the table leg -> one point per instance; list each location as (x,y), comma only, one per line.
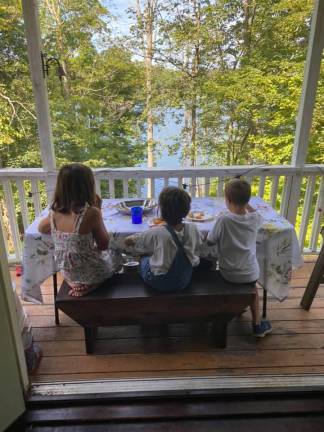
(264,306)
(90,334)
(56,311)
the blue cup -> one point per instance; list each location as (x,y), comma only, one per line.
(137,215)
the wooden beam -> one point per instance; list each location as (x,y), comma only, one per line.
(32,31)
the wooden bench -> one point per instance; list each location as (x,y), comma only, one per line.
(126,300)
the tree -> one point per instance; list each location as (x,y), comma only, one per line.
(18,142)
(181,47)
(143,32)
(95,120)
(255,93)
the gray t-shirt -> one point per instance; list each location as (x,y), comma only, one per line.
(235,237)
(158,243)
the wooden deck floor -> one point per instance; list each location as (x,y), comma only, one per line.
(295,346)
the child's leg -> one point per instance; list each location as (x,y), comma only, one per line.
(260,327)
(255,308)
(144,268)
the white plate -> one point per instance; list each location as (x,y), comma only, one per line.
(207,217)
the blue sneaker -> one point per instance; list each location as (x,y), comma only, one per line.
(262,329)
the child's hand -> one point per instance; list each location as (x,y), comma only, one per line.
(98,202)
(129,241)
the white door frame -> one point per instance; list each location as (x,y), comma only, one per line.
(13,370)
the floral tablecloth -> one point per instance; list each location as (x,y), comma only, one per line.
(278,250)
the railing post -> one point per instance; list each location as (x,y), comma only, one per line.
(50,186)
(292,197)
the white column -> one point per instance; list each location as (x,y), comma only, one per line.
(311,77)
(306,105)
(32,31)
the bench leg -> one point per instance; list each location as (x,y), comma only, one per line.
(219,333)
(264,306)
(56,311)
(90,334)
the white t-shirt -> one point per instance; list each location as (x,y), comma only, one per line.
(158,243)
(235,237)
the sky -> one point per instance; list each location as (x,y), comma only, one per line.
(118,8)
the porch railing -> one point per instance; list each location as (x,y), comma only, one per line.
(24,192)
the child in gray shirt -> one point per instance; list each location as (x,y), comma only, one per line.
(234,234)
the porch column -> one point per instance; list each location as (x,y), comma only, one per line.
(306,106)
(32,31)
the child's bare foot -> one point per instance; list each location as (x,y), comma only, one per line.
(77,288)
(81,290)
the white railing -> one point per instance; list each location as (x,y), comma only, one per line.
(25,192)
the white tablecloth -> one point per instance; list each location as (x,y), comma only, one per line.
(278,250)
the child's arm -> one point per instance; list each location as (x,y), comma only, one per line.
(257,217)
(98,229)
(130,241)
(140,243)
(44,226)
(98,202)
(214,234)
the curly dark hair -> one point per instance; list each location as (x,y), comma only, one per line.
(174,204)
(238,192)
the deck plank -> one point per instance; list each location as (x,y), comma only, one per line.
(296,345)
(182,361)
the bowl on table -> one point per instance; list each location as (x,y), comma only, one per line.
(125,207)
(131,266)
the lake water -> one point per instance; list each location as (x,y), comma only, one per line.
(165,136)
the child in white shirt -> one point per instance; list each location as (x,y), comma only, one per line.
(171,250)
(235,234)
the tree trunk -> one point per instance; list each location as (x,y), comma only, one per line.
(193,153)
(195,75)
(55,10)
(146,20)
(148,72)
(187,118)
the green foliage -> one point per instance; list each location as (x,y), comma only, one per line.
(231,70)
(95,111)
(239,73)
(18,142)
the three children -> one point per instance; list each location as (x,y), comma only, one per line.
(169,251)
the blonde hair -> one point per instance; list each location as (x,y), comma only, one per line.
(238,192)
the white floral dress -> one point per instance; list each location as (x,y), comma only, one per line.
(78,258)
